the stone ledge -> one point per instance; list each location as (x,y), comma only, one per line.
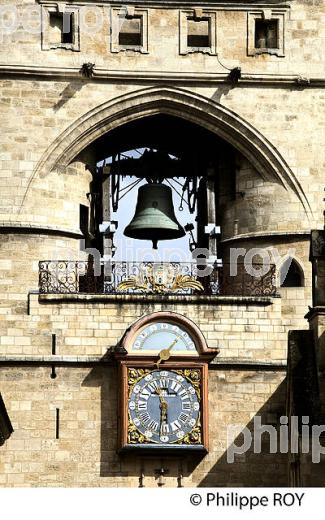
(232,363)
(23,227)
(288,80)
(151,298)
(319,310)
(266,234)
(54,360)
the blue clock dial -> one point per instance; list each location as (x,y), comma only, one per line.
(160,335)
(164,407)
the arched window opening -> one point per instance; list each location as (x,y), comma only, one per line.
(291,274)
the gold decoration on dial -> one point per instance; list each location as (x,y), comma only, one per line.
(164,406)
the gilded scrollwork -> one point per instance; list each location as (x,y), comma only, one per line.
(134,375)
(160,279)
(134,436)
(194,437)
(194,377)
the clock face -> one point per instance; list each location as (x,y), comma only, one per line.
(163,335)
(164,406)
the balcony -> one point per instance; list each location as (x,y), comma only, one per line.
(165,278)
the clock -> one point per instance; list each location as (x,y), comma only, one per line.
(163,386)
(165,330)
(163,408)
(163,334)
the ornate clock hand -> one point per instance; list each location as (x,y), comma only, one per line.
(165,353)
(163,408)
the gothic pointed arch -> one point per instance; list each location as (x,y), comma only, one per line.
(180,103)
(291,273)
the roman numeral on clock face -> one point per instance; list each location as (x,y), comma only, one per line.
(183,394)
(183,417)
(165,428)
(153,425)
(145,394)
(175,386)
(152,386)
(144,416)
(142,405)
(186,405)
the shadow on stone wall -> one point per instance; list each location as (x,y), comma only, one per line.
(68,92)
(254,469)
(250,469)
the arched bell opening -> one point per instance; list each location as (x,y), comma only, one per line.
(234,177)
(165,161)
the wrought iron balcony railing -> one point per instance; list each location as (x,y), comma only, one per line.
(68,277)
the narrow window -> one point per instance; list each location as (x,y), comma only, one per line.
(130,34)
(61,28)
(266,34)
(198,32)
(292,276)
(57,423)
(83,219)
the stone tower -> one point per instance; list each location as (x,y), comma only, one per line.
(234,92)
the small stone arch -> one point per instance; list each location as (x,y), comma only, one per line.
(291,273)
(180,103)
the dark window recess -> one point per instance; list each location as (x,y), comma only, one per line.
(266,34)
(61,27)
(294,277)
(130,33)
(57,423)
(198,32)
(83,219)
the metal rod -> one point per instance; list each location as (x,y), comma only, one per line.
(135,184)
(173,188)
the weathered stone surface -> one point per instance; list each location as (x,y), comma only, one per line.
(49,117)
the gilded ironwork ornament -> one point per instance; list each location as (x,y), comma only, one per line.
(68,277)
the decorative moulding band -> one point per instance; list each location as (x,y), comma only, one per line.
(12,360)
(161,4)
(149,76)
(267,234)
(20,227)
(145,298)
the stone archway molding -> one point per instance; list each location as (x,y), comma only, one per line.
(180,103)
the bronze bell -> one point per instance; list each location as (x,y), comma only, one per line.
(154,217)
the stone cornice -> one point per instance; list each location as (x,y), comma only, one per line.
(146,298)
(314,312)
(264,235)
(239,5)
(145,76)
(92,360)
(39,229)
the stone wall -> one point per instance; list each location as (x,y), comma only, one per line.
(302,55)
(43,101)
(85,453)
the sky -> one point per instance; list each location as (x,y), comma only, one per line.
(138,250)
